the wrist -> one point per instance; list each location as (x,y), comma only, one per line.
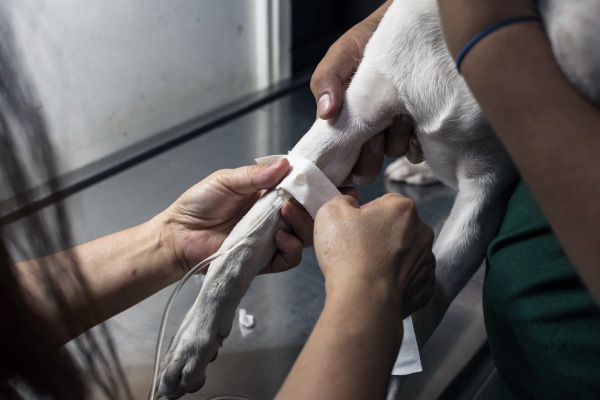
(364,320)
(364,304)
(161,233)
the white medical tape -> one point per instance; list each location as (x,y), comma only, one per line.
(311,188)
(305,182)
(409,358)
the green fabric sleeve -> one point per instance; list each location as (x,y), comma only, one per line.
(542,324)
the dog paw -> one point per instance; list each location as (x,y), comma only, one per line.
(183,369)
(403,170)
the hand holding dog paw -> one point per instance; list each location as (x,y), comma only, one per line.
(380,251)
(198,222)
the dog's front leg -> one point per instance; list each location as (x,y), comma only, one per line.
(461,245)
(209,320)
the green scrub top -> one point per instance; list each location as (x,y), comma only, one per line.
(543,326)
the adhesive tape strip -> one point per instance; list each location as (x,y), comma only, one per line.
(409,358)
(305,182)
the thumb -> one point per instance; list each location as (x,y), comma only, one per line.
(250,179)
(326,87)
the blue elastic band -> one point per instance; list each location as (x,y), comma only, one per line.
(487,31)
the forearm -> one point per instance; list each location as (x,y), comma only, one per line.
(350,353)
(550,131)
(119,271)
(126,267)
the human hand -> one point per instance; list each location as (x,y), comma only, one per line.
(463,19)
(380,249)
(198,222)
(329,82)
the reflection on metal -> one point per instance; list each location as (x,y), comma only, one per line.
(273,41)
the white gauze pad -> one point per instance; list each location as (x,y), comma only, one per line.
(311,188)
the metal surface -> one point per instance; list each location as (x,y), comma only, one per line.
(253,363)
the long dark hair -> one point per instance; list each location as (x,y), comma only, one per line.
(33,360)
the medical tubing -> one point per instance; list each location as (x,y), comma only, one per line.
(282,197)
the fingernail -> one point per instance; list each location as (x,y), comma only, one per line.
(376,144)
(323,104)
(276,164)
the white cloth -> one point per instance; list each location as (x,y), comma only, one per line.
(311,188)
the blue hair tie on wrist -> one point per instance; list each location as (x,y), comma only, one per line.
(487,31)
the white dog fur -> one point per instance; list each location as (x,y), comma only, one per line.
(406,69)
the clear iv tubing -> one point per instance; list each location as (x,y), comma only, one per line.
(282,197)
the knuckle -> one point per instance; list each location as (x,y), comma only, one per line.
(408,206)
(401,205)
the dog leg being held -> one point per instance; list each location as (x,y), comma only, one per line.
(209,320)
(333,146)
(461,245)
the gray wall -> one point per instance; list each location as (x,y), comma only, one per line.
(112,72)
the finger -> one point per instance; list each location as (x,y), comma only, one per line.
(331,209)
(250,179)
(289,254)
(347,181)
(327,91)
(270,176)
(344,201)
(301,222)
(397,136)
(332,75)
(350,191)
(425,288)
(420,287)
(418,295)
(370,161)
(423,271)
